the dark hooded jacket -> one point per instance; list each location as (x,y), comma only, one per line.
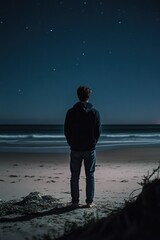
(82,127)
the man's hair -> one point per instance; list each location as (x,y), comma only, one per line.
(83,93)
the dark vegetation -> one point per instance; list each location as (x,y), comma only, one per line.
(139,219)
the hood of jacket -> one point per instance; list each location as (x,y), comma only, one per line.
(83,106)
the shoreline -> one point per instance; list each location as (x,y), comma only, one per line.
(63,153)
(65,149)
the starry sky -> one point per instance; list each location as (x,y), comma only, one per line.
(50,47)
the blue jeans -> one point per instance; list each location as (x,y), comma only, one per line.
(89,158)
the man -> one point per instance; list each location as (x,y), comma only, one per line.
(82,131)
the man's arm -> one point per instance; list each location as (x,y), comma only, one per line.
(97,130)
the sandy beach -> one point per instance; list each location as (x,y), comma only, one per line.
(118,172)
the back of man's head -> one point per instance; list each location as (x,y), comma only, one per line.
(84,93)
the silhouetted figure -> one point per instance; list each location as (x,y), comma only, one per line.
(82,131)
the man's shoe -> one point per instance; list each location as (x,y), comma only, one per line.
(75,205)
(91,205)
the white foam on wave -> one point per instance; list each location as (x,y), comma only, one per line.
(137,135)
(34,136)
(9,136)
(47,136)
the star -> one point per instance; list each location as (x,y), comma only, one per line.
(19,91)
(27,27)
(83,54)
(1,22)
(120,22)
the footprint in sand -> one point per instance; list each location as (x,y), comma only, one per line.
(51,181)
(15,165)
(27,176)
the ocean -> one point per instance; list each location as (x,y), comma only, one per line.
(50,138)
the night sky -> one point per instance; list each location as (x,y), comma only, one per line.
(50,47)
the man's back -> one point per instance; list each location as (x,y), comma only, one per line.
(82,127)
